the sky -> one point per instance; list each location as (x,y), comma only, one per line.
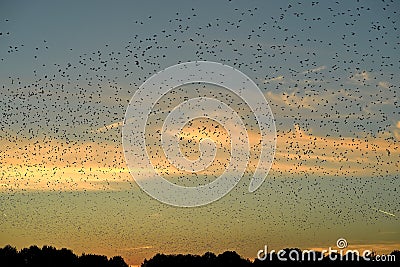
(328,69)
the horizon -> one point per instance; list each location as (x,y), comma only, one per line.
(327,74)
(270,255)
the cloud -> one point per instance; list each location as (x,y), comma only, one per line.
(60,165)
(275,79)
(299,152)
(63,178)
(314,70)
(136,248)
(363,75)
(385,212)
(109,127)
(359,78)
(384,84)
(303,100)
(396,131)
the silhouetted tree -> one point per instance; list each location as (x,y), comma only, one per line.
(209,259)
(49,257)
(9,256)
(117,261)
(231,258)
(32,256)
(396,253)
(90,260)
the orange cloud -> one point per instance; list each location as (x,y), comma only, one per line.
(59,165)
(56,165)
(301,152)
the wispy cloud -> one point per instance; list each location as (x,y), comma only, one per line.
(136,248)
(300,152)
(359,78)
(384,84)
(314,70)
(385,212)
(275,79)
(109,127)
(60,165)
(396,131)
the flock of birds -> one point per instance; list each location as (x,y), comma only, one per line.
(328,70)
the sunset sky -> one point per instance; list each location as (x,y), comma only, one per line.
(329,71)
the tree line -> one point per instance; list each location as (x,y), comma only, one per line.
(49,256)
